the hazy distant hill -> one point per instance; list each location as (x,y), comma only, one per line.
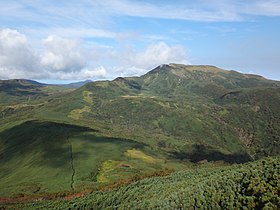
(76,84)
(23,90)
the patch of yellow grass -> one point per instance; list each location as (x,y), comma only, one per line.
(107,166)
(77,113)
(138,154)
(164,104)
(87,96)
(137,96)
(128,96)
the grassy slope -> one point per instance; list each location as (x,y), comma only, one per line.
(39,157)
(253,185)
(29,159)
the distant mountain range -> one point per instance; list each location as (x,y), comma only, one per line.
(33,82)
(76,84)
(20,90)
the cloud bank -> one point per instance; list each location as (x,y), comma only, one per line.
(67,59)
(17,59)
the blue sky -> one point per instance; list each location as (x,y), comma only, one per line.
(67,40)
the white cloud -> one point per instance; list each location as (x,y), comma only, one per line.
(62,59)
(84,74)
(16,56)
(126,71)
(62,55)
(135,63)
(156,54)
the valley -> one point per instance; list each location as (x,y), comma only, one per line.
(191,120)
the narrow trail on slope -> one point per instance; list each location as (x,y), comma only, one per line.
(72,163)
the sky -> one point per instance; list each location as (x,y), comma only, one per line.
(69,40)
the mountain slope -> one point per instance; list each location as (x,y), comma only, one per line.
(38,157)
(178,109)
(174,116)
(191,105)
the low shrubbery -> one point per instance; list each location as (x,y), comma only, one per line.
(253,185)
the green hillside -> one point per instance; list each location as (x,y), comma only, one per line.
(176,116)
(40,157)
(180,108)
(249,186)
(25,91)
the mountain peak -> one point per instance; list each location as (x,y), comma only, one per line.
(182,69)
(174,66)
(203,68)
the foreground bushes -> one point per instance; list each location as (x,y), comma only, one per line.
(254,185)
